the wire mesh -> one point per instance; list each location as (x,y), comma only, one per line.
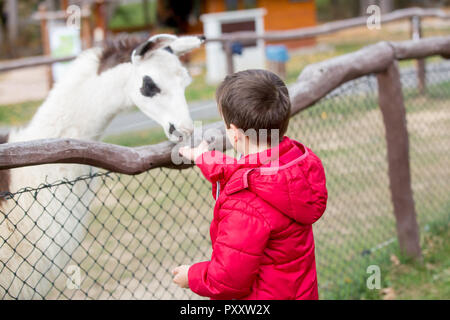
(113,236)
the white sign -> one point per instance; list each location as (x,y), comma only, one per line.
(64,41)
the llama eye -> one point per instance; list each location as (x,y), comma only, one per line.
(149,87)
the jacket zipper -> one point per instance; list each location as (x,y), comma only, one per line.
(218,183)
(217,190)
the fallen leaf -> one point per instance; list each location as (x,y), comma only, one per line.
(429,266)
(388,294)
(395,261)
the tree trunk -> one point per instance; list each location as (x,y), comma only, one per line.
(12,26)
(386,5)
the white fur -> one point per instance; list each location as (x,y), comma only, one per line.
(38,236)
(185,44)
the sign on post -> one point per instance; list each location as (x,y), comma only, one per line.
(64,41)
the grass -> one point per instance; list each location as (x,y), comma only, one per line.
(132,15)
(18,114)
(429,279)
(401,277)
(199,89)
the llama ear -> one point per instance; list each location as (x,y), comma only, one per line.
(153,43)
(185,44)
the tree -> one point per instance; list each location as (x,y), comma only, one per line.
(2,22)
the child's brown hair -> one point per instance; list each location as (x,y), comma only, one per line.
(254,99)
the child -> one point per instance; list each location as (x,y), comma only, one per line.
(262,237)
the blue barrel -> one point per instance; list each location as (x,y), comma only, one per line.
(236,48)
(277,53)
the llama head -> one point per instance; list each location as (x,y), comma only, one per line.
(158,82)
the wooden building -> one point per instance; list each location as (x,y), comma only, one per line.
(281,14)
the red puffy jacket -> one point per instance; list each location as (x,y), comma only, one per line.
(262,237)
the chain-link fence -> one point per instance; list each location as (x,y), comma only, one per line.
(108,235)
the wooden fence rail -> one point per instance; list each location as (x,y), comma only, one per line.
(32,62)
(314,83)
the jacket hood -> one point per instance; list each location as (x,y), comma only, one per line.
(290,177)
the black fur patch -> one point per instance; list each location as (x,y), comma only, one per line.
(4,174)
(171,128)
(144,48)
(149,87)
(169,49)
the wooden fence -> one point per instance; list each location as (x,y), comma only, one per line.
(314,83)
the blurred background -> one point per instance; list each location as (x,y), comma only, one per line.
(30,30)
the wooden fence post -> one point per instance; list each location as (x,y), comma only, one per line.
(64,5)
(394,116)
(100,19)
(86,29)
(227,45)
(416,34)
(46,42)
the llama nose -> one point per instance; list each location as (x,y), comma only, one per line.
(175,134)
(180,131)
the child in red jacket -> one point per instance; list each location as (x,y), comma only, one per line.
(266,202)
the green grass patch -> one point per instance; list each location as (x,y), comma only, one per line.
(18,114)
(132,15)
(401,277)
(427,280)
(199,89)
(404,279)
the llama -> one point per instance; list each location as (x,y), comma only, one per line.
(38,236)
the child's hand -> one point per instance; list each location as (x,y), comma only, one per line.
(181,276)
(193,153)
